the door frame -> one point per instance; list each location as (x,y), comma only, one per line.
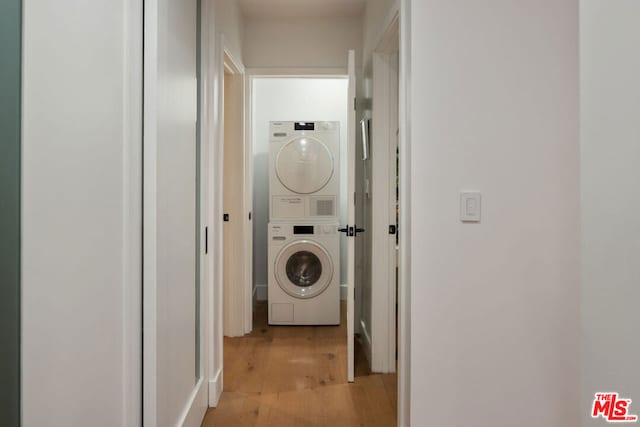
(239,299)
(404,250)
(384,122)
(214,49)
(403,9)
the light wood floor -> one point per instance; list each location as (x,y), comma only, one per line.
(297,376)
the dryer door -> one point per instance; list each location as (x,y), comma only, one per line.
(304,165)
(303,269)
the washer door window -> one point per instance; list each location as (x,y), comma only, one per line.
(304,269)
(304,165)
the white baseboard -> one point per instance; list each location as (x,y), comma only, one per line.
(215,389)
(196,408)
(260,292)
(343,292)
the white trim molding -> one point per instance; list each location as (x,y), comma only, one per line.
(261,292)
(215,389)
(149,365)
(343,291)
(132,221)
(190,416)
(404,254)
(236,256)
(297,72)
(383,202)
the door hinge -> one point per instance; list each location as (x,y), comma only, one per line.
(225,217)
(206,240)
(354,198)
(392,229)
(354,103)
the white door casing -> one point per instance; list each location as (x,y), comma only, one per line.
(404,199)
(384,142)
(248,210)
(237,252)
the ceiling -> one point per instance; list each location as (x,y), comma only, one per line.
(302,8)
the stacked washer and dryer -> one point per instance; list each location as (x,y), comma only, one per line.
(304,242)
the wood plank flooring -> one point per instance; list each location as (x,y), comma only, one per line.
(297,376)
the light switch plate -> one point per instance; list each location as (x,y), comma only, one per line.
(470,206)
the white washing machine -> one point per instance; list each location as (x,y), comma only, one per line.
(304,274)
(304,171)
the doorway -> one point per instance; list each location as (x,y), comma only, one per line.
(307,364)
(384,206)
(245,356)
(237,204)
(291,98)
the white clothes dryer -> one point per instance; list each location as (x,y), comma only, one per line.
(304,171)
(304,274)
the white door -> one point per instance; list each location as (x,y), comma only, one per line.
(174,386)
(351,213)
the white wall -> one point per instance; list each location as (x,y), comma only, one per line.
(291,99)
(376,19)
(610,149)
(307,43)
(495,306)
(81,213)
(230,23)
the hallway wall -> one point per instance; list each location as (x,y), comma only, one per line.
(494,107)
(376,17)
(81,213)
(300,43)
(610,149)
(230,22)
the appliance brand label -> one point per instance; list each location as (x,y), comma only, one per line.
(291,200)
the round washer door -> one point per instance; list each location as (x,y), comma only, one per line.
(304,165)
(303,269)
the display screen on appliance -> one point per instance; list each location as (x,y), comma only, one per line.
(303,229)
(304,126)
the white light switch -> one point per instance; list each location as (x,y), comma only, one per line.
(470,207)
